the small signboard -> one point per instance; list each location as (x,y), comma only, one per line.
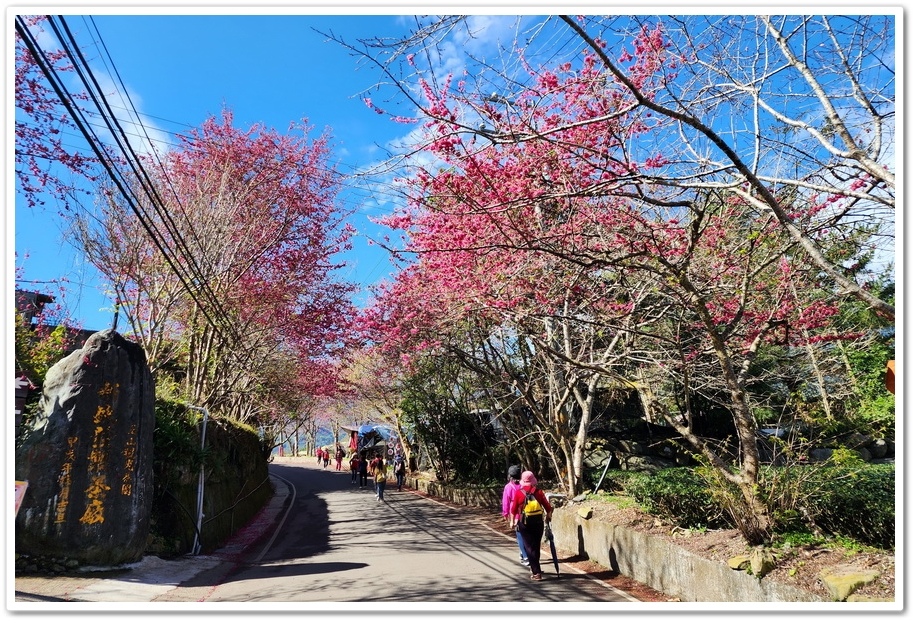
(21,486)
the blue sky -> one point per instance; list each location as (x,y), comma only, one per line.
(268,69)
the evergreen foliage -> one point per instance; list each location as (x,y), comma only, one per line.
(838,499)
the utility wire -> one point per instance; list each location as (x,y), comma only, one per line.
(359,193)
(364,192)
(149,187)
(105,159)
(140,173)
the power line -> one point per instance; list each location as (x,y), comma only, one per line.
(359,184)
(105,159)
(358,191)
(158,204)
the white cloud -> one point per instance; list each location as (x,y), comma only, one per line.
(142,134)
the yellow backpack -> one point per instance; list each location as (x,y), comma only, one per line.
(532,507)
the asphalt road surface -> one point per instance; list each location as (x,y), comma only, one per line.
(331,546)
(337,543)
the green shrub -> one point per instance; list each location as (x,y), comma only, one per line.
(617,480)
(844,497)
(855,501)
(840,501)
(678,495)
(176,442)
(236,479)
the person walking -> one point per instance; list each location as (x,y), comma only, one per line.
(354,469)
(380,475)
(530,509)
(326,458)
(339,456)
(513,485)
(373,462)
(400,470)
(363,471)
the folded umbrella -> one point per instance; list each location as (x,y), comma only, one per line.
(548,534)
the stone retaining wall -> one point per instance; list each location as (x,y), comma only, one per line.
(646,559)
(663,566)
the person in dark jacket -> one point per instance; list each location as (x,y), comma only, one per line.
(400,470)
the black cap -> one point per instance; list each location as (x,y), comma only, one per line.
(515,471)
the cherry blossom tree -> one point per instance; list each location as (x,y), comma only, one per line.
(219,253)
(500,318)
(47,166)
(249,217)
(810,101)
(749,105)
(149,295)
(371,383)
(568,174)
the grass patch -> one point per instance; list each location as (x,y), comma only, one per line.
(850,546)
(618,501)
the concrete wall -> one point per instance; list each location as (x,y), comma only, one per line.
(664,566)
(484,497)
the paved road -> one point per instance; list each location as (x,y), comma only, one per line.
(334,543)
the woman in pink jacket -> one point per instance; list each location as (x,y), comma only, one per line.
(514,474)
(528,516)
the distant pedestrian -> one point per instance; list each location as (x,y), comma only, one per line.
(354,469)
(400,470)
(530,510)
(320,454)
(363,471)
(380,476)
(326,458)
(338,457)
(514,475)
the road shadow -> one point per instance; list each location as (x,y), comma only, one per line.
(266,571)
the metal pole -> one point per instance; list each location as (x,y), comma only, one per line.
(604,473)
(195,549)
(114,322)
